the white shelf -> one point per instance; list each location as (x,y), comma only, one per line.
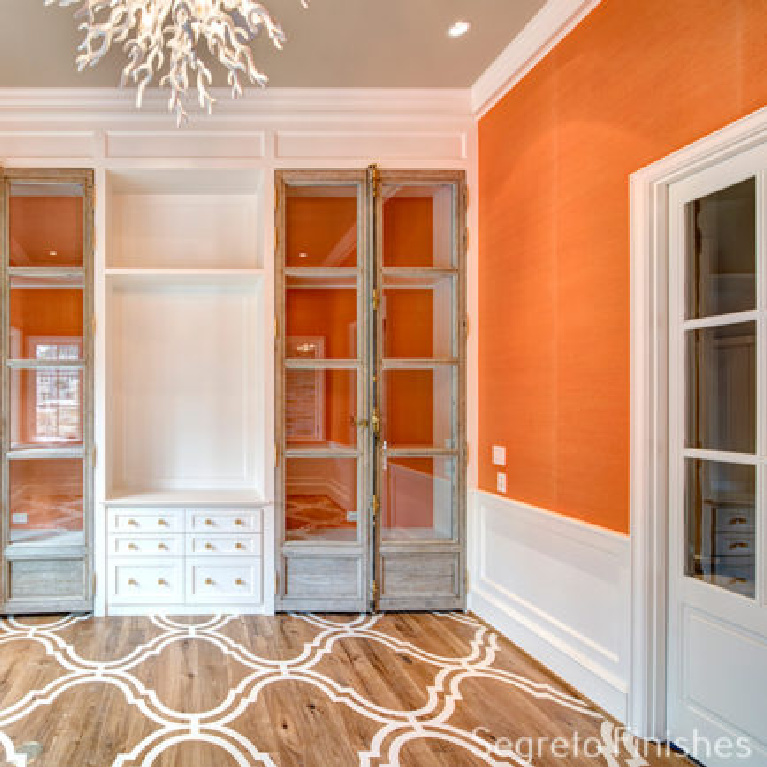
(149,275)
(162,498)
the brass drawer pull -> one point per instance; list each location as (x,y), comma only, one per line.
(209,581)
(132,547)
(133,522)
(209,522)
(162,522)
(162,582)
(132,582)
(239,582)
(738,521)
(239,522)
(209,546)
(239,545)
(162,547)
(738,545)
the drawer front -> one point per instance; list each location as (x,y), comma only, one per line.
(148,581)
(217,580)
(734,520)
(734,544)
(219,545)
(146,521)
(218,521)
(146,546)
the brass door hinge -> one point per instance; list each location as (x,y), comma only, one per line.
(94,456)
(276,582)
(375,422)
(376,508)
(276,238)
(376,299)
(466,326)
(93,584)
(375,179)
(374,590)
(276,456)
(466,240)
(276,327)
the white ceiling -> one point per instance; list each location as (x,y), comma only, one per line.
(335,43)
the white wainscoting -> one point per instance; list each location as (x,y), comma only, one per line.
(558,588)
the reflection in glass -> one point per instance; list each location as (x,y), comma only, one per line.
(320,408)
(417,497)
(46,500)
(418,407)
(321,499)
(46,319)
(417,317)
(321,321)
(719,524)
(46,407)
(321,226)
(721,252)
(721,388)
(46,224)
(418,225)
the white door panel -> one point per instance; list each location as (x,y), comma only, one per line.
(717,621)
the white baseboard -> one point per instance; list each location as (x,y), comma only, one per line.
(558,588)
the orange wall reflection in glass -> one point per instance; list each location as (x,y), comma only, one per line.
(636,80)
(46,231)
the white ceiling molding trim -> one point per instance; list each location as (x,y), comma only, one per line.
(541,34)
(271,103)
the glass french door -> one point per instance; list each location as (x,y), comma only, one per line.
(369,390)
(46,401)
(717,623)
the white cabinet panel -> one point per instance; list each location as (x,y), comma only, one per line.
(148,581)
(223,580)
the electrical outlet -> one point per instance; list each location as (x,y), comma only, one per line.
(500,481)
(19,518)
(499,455)
(351,516)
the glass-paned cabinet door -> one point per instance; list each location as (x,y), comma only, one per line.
(322,359)
(46,381)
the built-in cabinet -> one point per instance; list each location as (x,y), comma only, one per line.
(46,487)
(185,426)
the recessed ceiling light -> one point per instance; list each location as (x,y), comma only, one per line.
(459,29)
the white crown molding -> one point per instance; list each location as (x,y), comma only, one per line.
(392,103)
(542,33)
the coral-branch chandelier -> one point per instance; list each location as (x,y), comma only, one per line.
(154,31)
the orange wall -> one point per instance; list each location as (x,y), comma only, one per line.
(636,80)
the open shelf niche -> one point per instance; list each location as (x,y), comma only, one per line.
(185,405)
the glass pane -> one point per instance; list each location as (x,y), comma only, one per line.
(46,319)
(320,408)
(721,388)
(417,498)
(321,319)
(720,524)
(418,225)
(46,500)
(417,407)
(46,408)
(321,226)
(721,251)
(321,499)
(417,317)
(46,224)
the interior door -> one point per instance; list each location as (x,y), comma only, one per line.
(419,390)
(322,391)
(46,390)
(717,623)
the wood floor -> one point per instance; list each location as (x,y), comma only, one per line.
(399,689)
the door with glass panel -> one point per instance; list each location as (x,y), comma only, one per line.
(717,640)
(370,439)
(322,391)
(46,403)
(419,389)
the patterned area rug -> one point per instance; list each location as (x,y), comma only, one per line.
(397,689)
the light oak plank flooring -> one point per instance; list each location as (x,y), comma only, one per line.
(398,689)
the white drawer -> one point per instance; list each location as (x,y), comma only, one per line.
(220,521)
(216,580)
(146,521)
(146,581)
(146,545)
(218,545)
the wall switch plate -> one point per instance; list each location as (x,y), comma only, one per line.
(19,518)
(499,455)
(500,481)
